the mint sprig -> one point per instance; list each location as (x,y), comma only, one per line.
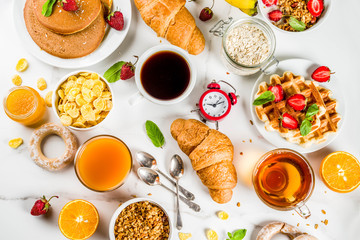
(237,235)
(305,127)
(114,72)
(154,133)
(296,24)
(47,8)
(265,97)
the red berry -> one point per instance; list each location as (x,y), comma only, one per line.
(41,206)
(321,74)
(269,3)
(69,5)
(315,7)
(278,91)
(116,20)
(297,102)
(288,121)
(127,71)
(206,14)
(275,15)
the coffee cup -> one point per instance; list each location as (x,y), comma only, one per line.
(164,75)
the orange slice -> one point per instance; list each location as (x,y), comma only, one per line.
(340,171)
(78,219)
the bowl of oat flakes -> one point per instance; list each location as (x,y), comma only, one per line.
(295,16)
(140,218)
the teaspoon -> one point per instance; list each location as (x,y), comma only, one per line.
(176,171)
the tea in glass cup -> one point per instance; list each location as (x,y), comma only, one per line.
(284,180)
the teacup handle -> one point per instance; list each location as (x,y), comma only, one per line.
(303,211)
(135,98)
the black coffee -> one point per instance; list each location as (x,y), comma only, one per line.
(165,75)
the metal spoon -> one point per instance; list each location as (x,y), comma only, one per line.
(146,160)
(150,177)
(176,171)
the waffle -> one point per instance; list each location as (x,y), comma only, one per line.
(325,121)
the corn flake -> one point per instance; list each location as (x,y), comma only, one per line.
(16,80)
(16,142)
(48,99)
(211,235)
(66,120)
(41,84)
(99,104)
(222,215)
(22,65)
(184,236)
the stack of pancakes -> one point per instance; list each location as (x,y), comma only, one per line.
(67,34)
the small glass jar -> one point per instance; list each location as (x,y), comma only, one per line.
(24,105)
(237,67)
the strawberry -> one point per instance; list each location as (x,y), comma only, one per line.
(275,15)
(278,91)
(297,102)
(269,3)
(321,74)
(288,121)
(41,206)
(206,13)
(128,70)
(315,7)
(69,5)
(116,20)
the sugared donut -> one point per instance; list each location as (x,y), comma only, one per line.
(271,229)
(52,164)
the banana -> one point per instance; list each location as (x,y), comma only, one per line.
(247,6)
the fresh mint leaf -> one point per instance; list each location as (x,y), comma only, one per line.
(113,73)
(238,234)
(47,7)
(265,97)
(312,110)
(154,133)
(296,24)
(305,127)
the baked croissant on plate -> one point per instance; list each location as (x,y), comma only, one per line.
(170,19)
(211,153)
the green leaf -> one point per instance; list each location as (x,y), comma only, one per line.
(47,8)
(238,234)
(154,133)
(305,127)
(266,97)
(312,110)
(296,24)
(113,73)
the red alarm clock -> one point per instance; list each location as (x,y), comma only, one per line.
(215,104)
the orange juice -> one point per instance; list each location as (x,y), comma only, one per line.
(24,105)
(103,163)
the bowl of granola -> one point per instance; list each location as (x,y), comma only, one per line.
(295,15)
(140,218)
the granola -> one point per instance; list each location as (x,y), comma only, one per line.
(142,220)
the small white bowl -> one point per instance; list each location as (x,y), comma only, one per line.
(265,11)
(55,97)
(160,48)
(127,203)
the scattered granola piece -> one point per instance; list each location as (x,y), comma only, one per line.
(241,153)
(16,142)
(48,99)
(22,65)
(222,215)
(326,222)
(41,84)
(323,211)
(238,204)
(184,236)
(227,73)
(250,141)
(298,224)
(251,122)
(16,80)
(316,226)
(307,224)
(243,141)
(149,194)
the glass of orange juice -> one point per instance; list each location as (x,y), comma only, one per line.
(102,163)
(24,105)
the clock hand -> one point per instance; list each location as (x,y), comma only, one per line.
(219,103)
(213,105)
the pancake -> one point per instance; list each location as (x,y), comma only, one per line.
(64,22)
(64,46)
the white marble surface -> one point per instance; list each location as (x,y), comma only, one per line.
(335,44)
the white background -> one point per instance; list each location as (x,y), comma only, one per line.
(335,44)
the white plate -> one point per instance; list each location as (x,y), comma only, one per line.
(305,68)
(110,43)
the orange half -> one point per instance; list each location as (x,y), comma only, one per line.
(78,219)
(340,171)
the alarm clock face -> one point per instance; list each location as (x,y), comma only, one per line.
(214,104)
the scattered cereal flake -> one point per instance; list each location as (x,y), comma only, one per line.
(323,211)
(22,65)
(326,222)
(222,215)
(184,236)
(16,142)
(238,204)
(316,226)
(66,120)
(41,84)
(48,99)
(212,235)
(16,80)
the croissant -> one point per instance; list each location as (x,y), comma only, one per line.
(211,153)
(170,19)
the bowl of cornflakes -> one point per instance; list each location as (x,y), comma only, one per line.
(82,100)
